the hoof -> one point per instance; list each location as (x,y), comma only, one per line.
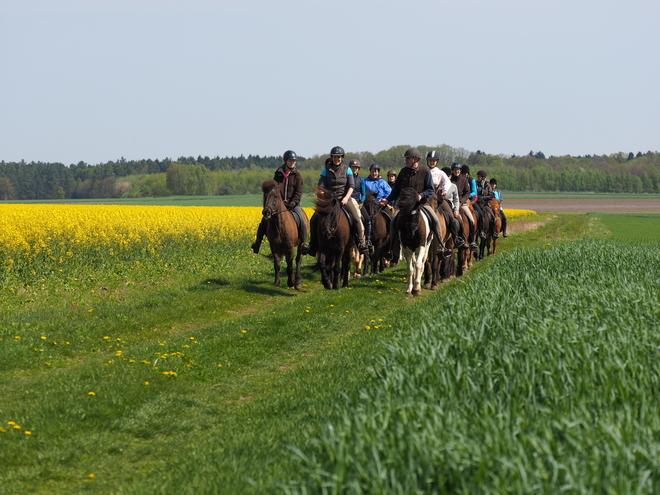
(428,285)
(416,292)
(434,287)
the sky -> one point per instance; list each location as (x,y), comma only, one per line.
(98,80)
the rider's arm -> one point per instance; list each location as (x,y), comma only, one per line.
(322,179)
(429,188)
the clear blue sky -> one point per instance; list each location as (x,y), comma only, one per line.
(95,80)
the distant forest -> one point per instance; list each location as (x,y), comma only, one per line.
(620,172)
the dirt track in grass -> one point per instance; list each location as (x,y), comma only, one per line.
(584,205)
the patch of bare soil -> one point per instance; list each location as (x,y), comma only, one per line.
(585,205)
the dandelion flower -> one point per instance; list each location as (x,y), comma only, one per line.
(91,393)
(27,432)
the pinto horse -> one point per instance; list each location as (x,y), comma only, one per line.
(282,233)
(415,235)
(496,207)
(380,231)
(334,238)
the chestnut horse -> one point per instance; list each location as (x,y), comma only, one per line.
(415,235)
(334,239)
(282,233)
(465,255)
(496,207)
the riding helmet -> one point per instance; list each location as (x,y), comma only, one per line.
(493,181)
(374,166)
(456,165)
(446,170)
(354,163)
(289,155)
(482,173)
(433,155)
(414,152)
(465,169)
(391,173)
(337,151)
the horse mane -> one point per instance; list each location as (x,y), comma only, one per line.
(326,203)
(369,204)
(407,199)
(267,186)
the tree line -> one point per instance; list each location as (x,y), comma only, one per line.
(619,172)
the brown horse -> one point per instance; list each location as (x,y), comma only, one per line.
(438,268)
(334,239)
(415,235)
(282,233)
(496,207)
(380,231)
(465,256)
(485,224)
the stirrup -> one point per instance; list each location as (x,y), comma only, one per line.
(304,248)
(363,248)
(474,247)
(459,242)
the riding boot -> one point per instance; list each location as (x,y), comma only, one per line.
(261,232)
(503,224)
(313,241)
(454,227)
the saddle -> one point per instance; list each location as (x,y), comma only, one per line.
(298,219)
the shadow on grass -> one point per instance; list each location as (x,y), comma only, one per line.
(266,288)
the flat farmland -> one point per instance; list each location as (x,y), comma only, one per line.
(583,203)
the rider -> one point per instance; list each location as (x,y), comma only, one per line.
(463,195)
(376,184)
(419,178)
(474,197)
(391,177)
(440,180)
(485,194)
(337,177)
(498,196)
(452,203)
(291,192)
(359,195)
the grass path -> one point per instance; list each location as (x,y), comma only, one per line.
(287,359)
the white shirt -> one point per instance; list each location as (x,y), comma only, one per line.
(440,179)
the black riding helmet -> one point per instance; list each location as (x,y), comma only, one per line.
(337,151)
(374,166)
(289,155)
(456,165)
(391,173)
(433,155)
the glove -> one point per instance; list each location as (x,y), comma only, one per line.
(289,206)
(476,198)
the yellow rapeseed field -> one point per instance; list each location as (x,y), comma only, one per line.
(42,237)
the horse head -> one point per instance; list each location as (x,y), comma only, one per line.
(409,209)
(272,199)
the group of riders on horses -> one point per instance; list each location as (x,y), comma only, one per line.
(453,188)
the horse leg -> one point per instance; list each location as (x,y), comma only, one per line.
(408,255)
(276,265)
(297,284)
(345,268)
(289,270)
(418,271)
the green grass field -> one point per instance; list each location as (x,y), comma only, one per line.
(536,372)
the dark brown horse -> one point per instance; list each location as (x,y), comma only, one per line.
(485,224)
(496,207)
(380,230)
(334,239)
(438,268)
(415,235)
(282,233)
